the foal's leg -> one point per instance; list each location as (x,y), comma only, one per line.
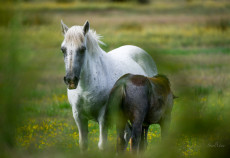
(127,134)
(136,137)
(144,135)
(121,142)
(82,125)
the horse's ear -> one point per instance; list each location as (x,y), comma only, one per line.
(64,28)
(86,27)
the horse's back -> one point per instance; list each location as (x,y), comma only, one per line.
(136,54)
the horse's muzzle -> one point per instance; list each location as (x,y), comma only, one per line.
(71,82)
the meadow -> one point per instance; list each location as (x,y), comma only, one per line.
(189,41)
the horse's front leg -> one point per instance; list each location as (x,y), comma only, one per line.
(82,124)
(103,131)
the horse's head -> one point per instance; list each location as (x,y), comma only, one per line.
(74,48)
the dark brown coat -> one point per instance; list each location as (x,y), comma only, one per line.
(139,101)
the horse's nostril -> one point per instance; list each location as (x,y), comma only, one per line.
(75,79)
(71,81)
(67,80)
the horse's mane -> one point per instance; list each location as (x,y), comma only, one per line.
(93,40)
(75,36)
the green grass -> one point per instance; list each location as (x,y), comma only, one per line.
(188,41)
(156,7)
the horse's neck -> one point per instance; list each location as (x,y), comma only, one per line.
(94,73)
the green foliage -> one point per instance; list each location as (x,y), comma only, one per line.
(5,16)
(14,81)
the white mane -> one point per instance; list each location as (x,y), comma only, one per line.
(75,36)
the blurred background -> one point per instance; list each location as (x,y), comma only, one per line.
(188,39)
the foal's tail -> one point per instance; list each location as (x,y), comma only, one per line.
(113,105)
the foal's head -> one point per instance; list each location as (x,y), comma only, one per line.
(74,48)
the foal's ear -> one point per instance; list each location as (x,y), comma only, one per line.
(86,27)
(64,28)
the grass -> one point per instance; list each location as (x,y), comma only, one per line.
(188,41)
(158,7)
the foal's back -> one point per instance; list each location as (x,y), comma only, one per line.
(160,99)
(142,101)
(146,99)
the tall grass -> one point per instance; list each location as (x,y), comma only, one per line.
(11,85)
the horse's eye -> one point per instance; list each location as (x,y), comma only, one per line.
(63,49)
(82,50)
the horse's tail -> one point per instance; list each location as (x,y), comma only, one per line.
(113,105)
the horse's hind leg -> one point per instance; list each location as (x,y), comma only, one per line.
(144,135)
(103,136)
(136,137)
(103,132)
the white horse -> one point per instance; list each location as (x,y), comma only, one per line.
(91,74)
